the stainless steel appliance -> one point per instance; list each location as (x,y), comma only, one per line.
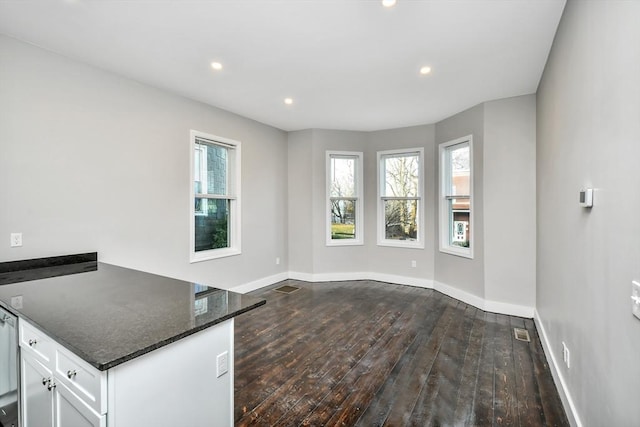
(9,411)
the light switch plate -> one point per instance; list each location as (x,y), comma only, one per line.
(222,364)
(635,298)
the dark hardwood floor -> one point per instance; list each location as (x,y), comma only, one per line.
(370,354)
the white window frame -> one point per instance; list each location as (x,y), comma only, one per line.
(233,195)
(443,200)
(358,198)
(418,243)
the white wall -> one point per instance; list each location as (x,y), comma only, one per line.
(90,161)
(588,130)
(510,200)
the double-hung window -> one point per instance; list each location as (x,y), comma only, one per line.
(400,198)
(215,197)
(344,198)
(456,197)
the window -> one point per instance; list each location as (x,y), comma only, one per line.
(456,197)
(215,197)
(400,205)
(344,198)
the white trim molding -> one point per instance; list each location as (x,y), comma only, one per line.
(380,277)
(561,385)
(483,304)
(445,199)
(418,242)
(260,283)
(453,292)
(232,195)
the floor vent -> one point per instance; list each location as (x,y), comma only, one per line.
(286,289)
(521,334)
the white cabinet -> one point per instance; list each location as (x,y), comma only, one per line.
(71,411)
(58,389)
(37,399)
(173,385)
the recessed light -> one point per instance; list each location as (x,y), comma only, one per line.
(425,70)
(388,3)
(288,101)
(216,66)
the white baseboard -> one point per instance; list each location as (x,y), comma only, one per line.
(339,277)
(453,292)
(483,304)
(563,390)
(402,280)
(508,308)
(459,294)
(326,277)
(260,283)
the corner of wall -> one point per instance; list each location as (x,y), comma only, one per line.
(563,390)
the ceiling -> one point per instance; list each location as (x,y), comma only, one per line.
(347,64)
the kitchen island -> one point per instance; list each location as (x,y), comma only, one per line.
(109,346)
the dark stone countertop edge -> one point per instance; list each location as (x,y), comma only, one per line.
(91,257)
(160,344)
(137,353)
(47,262)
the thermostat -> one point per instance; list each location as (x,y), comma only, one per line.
(586,198)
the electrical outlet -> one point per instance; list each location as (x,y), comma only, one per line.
(635,298)
(16,240)
(277,260)
(222,364)
(16,302)
(566,355)
(414,264)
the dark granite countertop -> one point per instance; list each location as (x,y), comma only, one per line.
(107,314)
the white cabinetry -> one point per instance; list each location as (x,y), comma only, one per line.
(37,400)
(175,385)
(55,383)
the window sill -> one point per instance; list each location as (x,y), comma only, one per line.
(402,244)
(214,254)
(461,252)
(344,242)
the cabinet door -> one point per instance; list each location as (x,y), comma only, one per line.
(37,399)
(71,411)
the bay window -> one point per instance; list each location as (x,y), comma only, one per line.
(400,198)
(456,197)
(344,198)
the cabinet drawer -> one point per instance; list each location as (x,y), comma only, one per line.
(83,379)
(37,343)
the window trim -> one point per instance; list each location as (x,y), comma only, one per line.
(443,226)
(381,240)
(359,197)
(235,211)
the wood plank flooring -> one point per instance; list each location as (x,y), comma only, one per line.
(369,353)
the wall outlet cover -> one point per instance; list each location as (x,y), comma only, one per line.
(222,364)
(16,240)
(635,298)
